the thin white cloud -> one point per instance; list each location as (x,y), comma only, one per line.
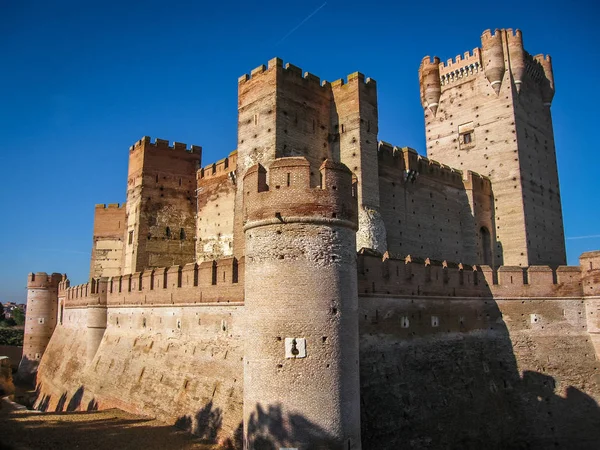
(591,236)
(301,23)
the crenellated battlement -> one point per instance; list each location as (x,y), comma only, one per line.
(41,280)
(276,64)
(429,61)
(407,160)
(393,275)
(461,67)
(487,34)
(219,168)
(477,182)
(110,206)
(208,282)
(513,35)
(146,141)
(460,61)
(288,192)
(354,77)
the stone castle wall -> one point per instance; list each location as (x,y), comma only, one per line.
(216,203)
(108,240)
(429,208)
(182,364)
(467,348)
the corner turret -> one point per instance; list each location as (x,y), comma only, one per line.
(517,57)
(40,320)
(301,304)
(429,81)
(548,81)
(493,58)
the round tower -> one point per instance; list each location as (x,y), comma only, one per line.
(40,320)
(429,80)
(301,372)
(96,316)
(516,56)
(548,82)
(493,58)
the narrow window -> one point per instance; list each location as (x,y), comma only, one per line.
(182,234)
(168,232)
(131,237)
(288,178)
(466,136)
(486,246)
(214,273)
(180,182)
(234,277)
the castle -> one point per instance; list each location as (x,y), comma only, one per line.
(318,288)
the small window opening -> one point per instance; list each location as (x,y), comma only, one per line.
(182,234)
(288,178)
(214,273)
(234,276)
(131,237)
(168,232)
(468,138)
(180,182)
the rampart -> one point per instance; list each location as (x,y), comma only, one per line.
(163,144)
(410,276)
(208,282)
(222,167)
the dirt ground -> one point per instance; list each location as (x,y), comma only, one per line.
(111,429)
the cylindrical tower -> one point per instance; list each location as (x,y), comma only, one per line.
(429,80)
(301,372)
(493,58)
(96,317)
(40,320)
(516,56)
(548,82)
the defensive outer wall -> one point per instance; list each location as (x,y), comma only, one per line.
(281,335)
(464,347)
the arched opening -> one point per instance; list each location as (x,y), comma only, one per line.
(485,246)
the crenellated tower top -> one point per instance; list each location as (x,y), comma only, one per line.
(289,197)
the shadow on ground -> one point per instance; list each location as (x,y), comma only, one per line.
(109,429)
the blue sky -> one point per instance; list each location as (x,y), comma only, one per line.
(81,81)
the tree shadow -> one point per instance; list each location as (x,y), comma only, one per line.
(106,429)
(205,424)
(271,429)
(75,401)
